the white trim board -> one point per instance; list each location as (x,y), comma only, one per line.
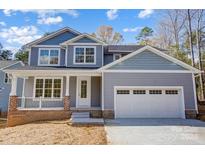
(158,52)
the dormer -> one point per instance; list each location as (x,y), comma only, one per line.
(84,51)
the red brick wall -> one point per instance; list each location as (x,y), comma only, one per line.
(26,116)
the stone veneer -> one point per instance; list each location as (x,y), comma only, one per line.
(108,114)
(191,114)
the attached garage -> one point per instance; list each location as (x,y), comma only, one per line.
(149,102)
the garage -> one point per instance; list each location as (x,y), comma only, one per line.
(149,102)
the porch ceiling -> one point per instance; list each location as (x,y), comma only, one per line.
(52,71)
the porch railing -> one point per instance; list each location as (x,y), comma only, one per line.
(39,103)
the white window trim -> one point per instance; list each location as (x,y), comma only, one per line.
(47,99)
(84,63)
(49,49)
(116,54)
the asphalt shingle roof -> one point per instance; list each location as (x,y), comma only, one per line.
(6,63)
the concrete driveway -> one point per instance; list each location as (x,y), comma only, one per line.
(155,131)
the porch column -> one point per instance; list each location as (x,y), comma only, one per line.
(67,85)
(66,100)
(13,97)
(23,92)
(13,86)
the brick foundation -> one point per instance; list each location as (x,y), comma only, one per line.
(108,114)
(26,116)
(3,114)
(66,102)
(191,114)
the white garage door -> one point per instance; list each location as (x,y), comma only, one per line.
(145,102)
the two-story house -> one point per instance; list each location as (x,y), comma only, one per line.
(70,71)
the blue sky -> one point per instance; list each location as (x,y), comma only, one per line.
(18,27)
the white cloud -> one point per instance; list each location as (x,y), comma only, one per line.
(135,29)
(73,13)
(50,20)
(112,14)
(2,23)
(47,16)
(19,35)
(145,13)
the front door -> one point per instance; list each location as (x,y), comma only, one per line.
(83,91)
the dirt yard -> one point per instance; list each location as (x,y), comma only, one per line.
(53,132)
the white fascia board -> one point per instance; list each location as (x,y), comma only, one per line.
(170,58)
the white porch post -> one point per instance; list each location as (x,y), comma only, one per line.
(23,93)
(67,86)
(13,86)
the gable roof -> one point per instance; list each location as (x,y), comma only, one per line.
(8,63)
(51,35)
(82,36)
(156,51)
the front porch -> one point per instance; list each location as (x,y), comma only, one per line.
(52,97)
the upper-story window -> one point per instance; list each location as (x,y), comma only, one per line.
(49,56)
(84,55)
(116,56)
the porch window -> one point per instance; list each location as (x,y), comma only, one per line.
(48,87)
(49,56)
(84,55)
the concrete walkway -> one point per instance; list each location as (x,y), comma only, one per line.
(155,131)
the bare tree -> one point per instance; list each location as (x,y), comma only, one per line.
(190,36)
(108,35)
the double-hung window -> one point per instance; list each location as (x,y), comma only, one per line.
(84,55)
(48,88)
(49,56)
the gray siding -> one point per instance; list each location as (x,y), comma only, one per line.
(108,58)
(98,57)
(95,91)
(147,60)
(59,39)
(34,56)
(85,40)
(148,79)
(6,88)
(73,82)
